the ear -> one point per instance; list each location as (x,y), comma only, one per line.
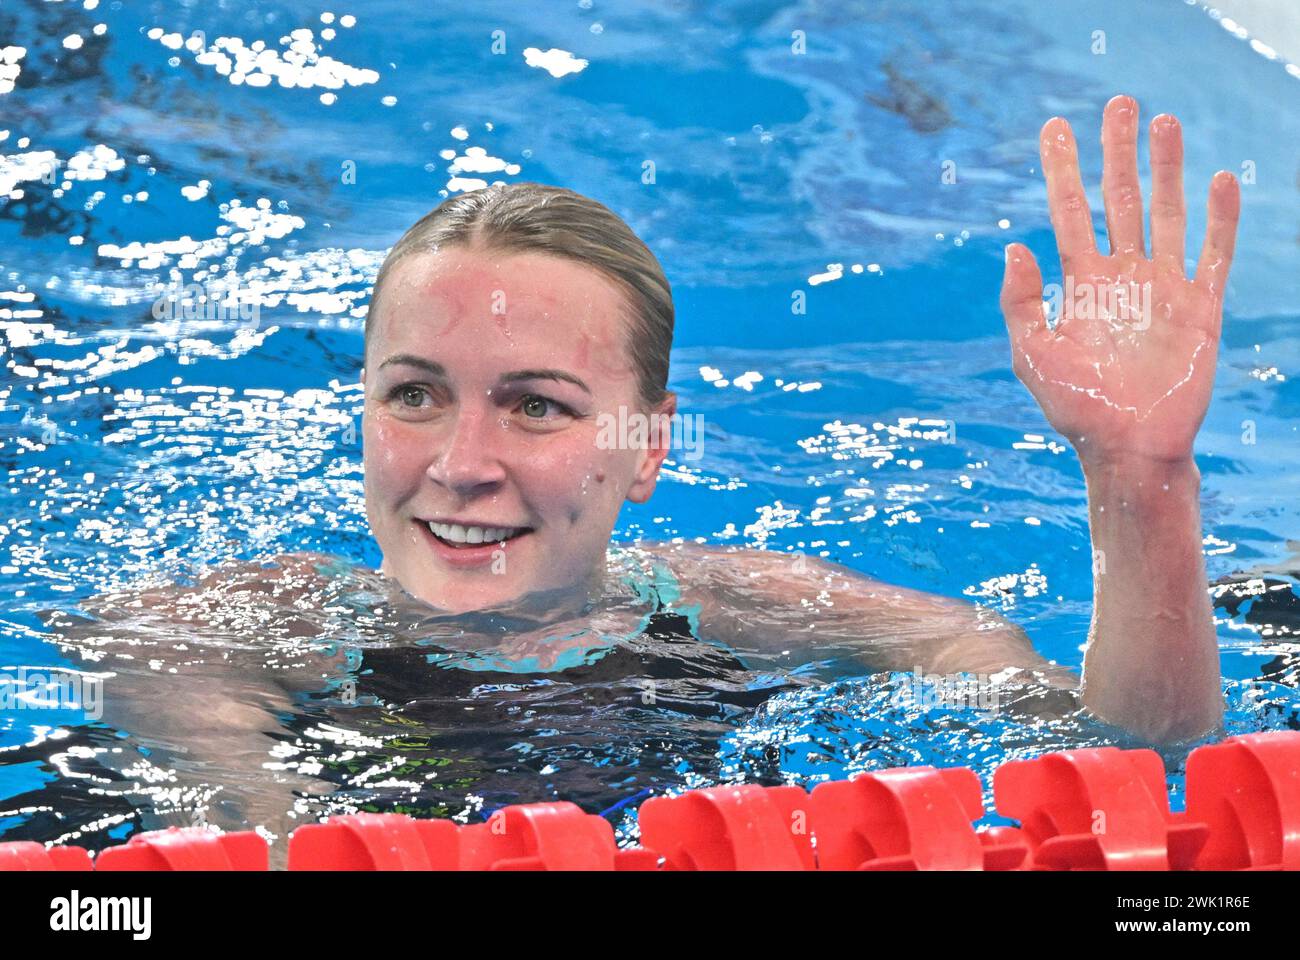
(657,445)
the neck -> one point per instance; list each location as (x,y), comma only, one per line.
(538,607)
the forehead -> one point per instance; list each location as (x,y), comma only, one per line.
(486,294)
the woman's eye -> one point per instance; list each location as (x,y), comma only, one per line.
(411,396)
(408,395)
(540,408)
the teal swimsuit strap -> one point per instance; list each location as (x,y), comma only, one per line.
(665,591)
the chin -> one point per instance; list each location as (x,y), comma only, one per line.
(463,597)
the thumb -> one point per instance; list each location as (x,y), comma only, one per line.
(1022,294)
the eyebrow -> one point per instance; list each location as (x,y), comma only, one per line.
(514,376)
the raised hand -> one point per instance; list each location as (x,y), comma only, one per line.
(1126,371)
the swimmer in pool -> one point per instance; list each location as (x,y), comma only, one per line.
(508,325)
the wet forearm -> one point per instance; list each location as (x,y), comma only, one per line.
(1152,662)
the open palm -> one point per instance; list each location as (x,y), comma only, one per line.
(1127,368)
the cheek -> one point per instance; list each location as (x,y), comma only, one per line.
(605,482)
(393,451)
(576,474)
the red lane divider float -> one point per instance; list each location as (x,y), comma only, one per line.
(744,827)
(191,848)
(539,836)
(913,818)
(1247,792)
(1094,809)
(26,855)
(1097,809)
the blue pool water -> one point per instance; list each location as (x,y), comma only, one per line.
(138,449)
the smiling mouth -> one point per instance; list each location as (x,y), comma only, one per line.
(462,535)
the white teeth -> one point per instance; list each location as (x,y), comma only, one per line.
(455,533)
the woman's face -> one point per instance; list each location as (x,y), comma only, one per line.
(487,473)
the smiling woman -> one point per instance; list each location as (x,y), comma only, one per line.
(345,467)
(508,323)
(486,372)
(507,329)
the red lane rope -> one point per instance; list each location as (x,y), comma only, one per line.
(1101,808)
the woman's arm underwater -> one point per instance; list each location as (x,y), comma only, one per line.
(789,609)
(208,708)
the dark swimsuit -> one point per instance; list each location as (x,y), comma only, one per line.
(665,649)
(638,715)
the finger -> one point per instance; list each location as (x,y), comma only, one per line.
(1168,211)
(1220,232)
(1022,300)
(1121,190)
(1066,200)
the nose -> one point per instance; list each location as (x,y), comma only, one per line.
(468,461)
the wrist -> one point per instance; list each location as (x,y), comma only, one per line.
(1135,462)
(1138,476)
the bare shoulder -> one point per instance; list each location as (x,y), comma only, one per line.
(790,577)
(783,601)
(282,576)
(740,590)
